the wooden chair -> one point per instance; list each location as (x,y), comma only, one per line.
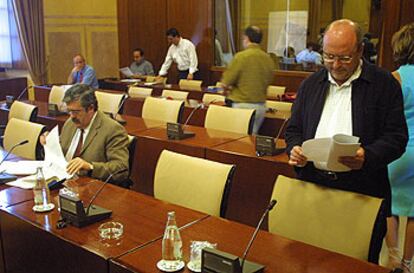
(275,92)
(190,84)
(56,95)
(336,220)
(162,109)
(18,130)
(230,119)
(23,111)
(209,98)
(193,182)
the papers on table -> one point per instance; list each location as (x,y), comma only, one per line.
(150,83)
(131,80)
(54,166)
(126,71)
(24,167)
(324,152)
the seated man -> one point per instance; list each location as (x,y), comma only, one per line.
(309,54)
(82,73)
(140,66)
(93,143)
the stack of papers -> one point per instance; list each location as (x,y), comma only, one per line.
(324,152)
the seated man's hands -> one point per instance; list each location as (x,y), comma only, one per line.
(297,158)
(77,164)
(42,138)
(354,162)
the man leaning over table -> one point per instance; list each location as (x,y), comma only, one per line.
(350,97)
(93,143)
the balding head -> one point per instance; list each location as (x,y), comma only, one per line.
(342,49)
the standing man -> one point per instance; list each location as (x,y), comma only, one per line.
(355,98)
(248,76)
(182,52)
(82,73)
(140,66)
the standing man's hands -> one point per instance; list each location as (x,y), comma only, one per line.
(297,158)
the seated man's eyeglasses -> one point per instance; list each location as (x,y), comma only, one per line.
(74,111)
(330,58)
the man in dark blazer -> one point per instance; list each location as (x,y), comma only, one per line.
(355,98)
(93,143)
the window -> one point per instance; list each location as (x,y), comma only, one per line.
(5,37)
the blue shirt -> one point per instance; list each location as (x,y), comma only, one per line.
(308,57)
(87,76)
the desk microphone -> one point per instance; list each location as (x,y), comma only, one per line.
(266,145)
(101,188)
(249,245)
(5,177)
(11,99)
(176,130)
(121,104)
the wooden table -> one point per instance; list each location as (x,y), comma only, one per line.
(32,243)
(253,178)
(277,253)
(152,142)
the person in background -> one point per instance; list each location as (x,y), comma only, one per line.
(310,54)
(218,52)
(182,52)
(401,171)
(351,97)
(248,75)
(140,66)
(82,73)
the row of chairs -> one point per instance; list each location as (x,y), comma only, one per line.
(332,219)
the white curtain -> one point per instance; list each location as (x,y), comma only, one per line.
(5,38)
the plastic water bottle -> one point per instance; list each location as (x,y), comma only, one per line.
(41,193)
(171,244)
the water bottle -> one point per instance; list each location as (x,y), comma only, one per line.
(41,193)
(171,244)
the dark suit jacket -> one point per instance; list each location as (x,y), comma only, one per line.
(377,119)
(105,147)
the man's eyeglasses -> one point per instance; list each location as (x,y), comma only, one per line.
(330,58)
(74,112)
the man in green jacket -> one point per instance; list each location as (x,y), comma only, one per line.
(248,76)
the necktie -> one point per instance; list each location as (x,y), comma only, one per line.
(80,76)
(80,144)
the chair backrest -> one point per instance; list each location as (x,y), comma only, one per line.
(139,92)
(162,109)
(209,98)
(176,95)
(275,92)
(13,135)
(109,102)
(56,95)
(230,119)
(23,111)
(219,84)
(336,220)
(193,182)
(190,84)
(280,106)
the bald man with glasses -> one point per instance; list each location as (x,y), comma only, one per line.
(355,98)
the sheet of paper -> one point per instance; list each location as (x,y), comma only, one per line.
(130,80)
(54,157)
(324,152)
(126,71)
(23,167)
(150,83)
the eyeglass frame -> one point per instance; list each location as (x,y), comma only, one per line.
(336,57)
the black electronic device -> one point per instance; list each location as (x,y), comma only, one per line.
(216,261)
(53,110)
(55,184)
(116,116)
(5,177)
(9,101)
(73,212)
(266,145)
(176,130)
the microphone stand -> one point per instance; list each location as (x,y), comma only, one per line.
(116,116)
(176,130)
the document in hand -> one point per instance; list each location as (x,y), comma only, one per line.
(126,71)
(324,152)
(54,166)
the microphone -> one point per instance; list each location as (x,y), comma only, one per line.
(121,104)
(176,130)
(101,188)
(249,245)
(73,212)
(5,177)
(266,145)
(10,99)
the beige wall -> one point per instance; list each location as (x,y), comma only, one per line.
(78,26)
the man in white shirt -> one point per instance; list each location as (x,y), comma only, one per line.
(350,97)
(183,53)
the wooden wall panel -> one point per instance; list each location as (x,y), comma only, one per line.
(104,44)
